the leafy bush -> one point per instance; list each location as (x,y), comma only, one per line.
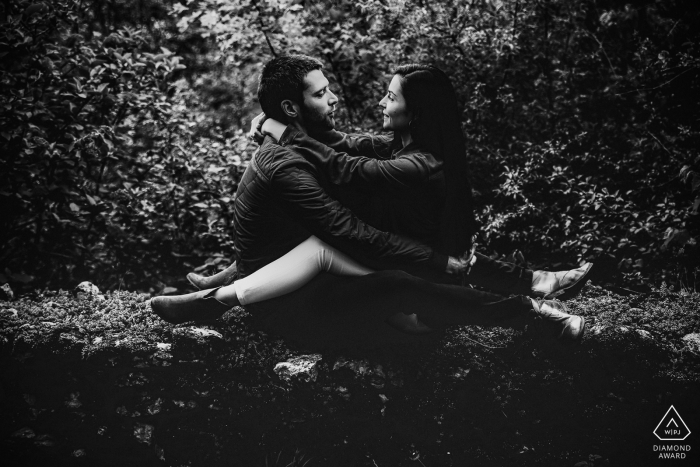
(102,178)
(120,165)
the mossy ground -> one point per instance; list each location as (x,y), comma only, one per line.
(104,382)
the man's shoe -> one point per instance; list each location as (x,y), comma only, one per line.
(561,285)
(220,279)
(410,324)
(554,317)
(197,306)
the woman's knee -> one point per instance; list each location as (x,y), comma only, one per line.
(320,251)
(324,260)
(316,243)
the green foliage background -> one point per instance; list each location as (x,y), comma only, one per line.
(121,124)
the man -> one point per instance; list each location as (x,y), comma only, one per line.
(281,201)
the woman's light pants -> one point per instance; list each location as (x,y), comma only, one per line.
(295,269)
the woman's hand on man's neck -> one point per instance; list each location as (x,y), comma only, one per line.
(275,129)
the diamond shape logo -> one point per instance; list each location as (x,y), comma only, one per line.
(671,427)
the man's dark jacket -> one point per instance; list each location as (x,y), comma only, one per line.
(282,199)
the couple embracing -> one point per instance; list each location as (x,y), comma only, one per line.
(345,240)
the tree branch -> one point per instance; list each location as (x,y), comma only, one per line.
(262,29)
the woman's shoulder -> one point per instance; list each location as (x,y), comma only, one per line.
(414,151)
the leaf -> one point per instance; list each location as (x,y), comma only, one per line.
(74,207)
(209,19)
(685,173)
(680,236)
(696,182)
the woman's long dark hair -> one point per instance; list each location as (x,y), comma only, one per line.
(436,128)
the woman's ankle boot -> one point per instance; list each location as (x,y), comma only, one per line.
(197,306)
(220,279)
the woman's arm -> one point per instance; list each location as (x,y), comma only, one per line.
(357,144)
(341,168)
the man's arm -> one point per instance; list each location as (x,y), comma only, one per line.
(307,202)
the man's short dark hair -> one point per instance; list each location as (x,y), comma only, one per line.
(282,78)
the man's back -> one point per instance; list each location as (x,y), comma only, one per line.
(263,229)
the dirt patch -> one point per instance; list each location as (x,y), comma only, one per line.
(103,382)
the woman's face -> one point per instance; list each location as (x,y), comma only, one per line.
(396,115)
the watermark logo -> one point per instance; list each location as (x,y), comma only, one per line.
(672,427)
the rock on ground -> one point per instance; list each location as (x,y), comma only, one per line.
(692,341)
(303,368)
(6,293)
(87,290)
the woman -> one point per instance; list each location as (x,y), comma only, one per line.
(424,186)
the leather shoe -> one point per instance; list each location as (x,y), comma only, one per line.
(410,324)
(220,279)
(554,317)
(197,306)
(565,285)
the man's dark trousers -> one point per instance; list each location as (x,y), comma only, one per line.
(345,312)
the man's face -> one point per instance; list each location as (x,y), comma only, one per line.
(319,102)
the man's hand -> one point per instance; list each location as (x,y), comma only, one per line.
(255,132)
(463,264)
(273,128)
(457,265)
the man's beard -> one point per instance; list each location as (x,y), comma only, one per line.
(315,120)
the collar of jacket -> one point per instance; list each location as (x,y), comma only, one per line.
(410,148)
(288,135)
